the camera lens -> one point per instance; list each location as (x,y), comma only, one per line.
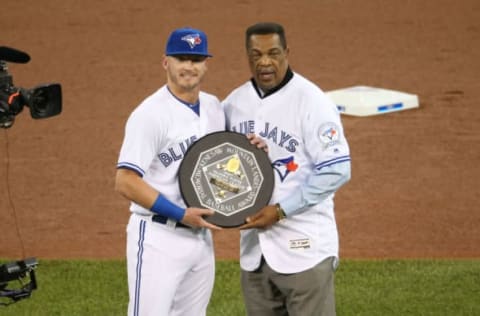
(40,102)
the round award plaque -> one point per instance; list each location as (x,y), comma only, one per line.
(223,172)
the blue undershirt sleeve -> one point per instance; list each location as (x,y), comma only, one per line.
(318,186)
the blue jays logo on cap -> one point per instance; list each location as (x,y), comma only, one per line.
(187,41)
(192,40)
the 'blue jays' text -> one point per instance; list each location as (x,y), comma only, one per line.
(273,133)
(177,152)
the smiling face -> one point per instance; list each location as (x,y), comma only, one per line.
(268,60)
(185,72)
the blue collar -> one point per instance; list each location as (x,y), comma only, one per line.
(195,107)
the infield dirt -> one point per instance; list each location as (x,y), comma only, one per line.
(415,173)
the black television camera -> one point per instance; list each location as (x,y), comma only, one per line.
(22,271)
(43,100)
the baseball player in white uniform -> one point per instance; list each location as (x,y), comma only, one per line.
(170,257)
(289,249)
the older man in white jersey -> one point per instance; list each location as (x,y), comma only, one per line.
(289,249)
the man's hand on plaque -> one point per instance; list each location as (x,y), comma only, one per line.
(194,217)
(258,142)
(264,218)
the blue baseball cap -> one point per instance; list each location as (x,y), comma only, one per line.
(187,41)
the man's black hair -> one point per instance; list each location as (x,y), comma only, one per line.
(266,28)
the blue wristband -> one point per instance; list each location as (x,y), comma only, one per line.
(166,208)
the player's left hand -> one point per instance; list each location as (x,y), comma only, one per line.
(265,218)
(257,141)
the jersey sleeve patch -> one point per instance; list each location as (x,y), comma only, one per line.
(329,134)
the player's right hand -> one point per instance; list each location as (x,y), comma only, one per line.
(263,219)
(194,217)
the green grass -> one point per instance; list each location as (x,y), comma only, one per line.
(383,287)
(70,288)
(408,288)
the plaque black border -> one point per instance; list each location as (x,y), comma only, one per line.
(212,140)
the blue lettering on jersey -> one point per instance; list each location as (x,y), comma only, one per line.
(176,153)
(286,140)
(245,127)
(278,136)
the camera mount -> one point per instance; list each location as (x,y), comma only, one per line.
(22,271)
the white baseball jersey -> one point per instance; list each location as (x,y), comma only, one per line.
(303,130)
(159,132)
(170,270)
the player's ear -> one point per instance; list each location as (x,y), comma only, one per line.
(165,62)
